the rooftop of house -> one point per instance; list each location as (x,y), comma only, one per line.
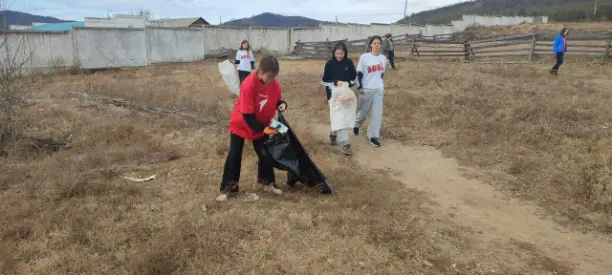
(57,27)
(180,22)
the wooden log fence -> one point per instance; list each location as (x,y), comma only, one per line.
(528,46)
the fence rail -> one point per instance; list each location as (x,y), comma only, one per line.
(528,45)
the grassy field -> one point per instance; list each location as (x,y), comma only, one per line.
(578,27)
(541,138)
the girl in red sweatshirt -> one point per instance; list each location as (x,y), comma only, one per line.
(260,96)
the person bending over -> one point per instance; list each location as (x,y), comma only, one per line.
(260,96)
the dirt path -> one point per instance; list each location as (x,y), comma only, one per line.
(478,205)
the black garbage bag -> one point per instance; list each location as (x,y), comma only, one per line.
(286,153)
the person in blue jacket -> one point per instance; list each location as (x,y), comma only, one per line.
(559,49)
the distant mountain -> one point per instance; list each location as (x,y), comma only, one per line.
(22,18)
(557,10)
(274,20)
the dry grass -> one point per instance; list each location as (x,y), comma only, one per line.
(70,212)
(550,27)
(541,137)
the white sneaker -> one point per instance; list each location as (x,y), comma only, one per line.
(272,188)
(222,197)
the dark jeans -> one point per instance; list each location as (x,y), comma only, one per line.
(233,164)
(242,75)
(392,58)
(328,92)
(560,57)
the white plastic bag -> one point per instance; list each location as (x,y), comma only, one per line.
(275,124)
(342,107)
(228,73)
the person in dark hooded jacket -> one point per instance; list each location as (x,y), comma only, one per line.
(339,70)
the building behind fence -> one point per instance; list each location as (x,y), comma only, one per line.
(91,48)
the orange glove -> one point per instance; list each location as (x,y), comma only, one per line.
(270,132)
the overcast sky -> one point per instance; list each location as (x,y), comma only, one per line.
(354,11)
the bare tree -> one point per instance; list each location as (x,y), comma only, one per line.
(14,84)
(146,14)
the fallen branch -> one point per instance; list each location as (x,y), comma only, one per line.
(140,179)
(43,141)
(120,102)
(500,62)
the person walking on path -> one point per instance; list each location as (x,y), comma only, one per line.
(259,99)
(388,49)
(559,49)
(339,71)
(245,60)
(370,72)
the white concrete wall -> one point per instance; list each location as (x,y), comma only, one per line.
(272,40)
(416,29)
(15,52)
(334,32)
(460,25)
(218,39)
(115,22)
(129,47)
(357,31)
(448,29)
(111,48)
(37,52)
(175,44)
(307,35)
(398,29)
(381,29)
(469,20)
(51,50)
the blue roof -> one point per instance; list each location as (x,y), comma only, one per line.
(57,27)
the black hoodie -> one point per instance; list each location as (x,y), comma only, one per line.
(335,70)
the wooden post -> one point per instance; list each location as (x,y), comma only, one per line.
(414,47)
(298,48)
(607,51)
(533,45)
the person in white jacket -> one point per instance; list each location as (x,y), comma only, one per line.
(370,71)
(245,60)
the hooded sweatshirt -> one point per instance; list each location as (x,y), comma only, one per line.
(560,44)
(335,70)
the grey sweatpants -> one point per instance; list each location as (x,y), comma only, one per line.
(371,98)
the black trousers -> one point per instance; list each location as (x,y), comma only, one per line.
(560,57)
(392,58)
(242,75)
(233,164)
(328,92)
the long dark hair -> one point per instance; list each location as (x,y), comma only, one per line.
(374,37)
(248,47)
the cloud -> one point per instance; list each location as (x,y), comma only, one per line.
(355,11)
